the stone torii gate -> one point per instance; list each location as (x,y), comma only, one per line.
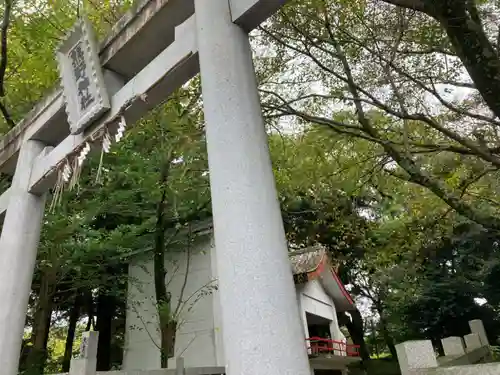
(155,48)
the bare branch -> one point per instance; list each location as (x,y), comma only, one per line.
(476,149)
(423,86)
(484,198)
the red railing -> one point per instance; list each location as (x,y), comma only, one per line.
(318,345)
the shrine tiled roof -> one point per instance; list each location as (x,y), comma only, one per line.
(307,260)
(314,264)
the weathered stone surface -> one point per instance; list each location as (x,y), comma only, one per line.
(139,44)
(250,13)
(88,347)
(189,371)
(414,355)
(477,326)
(18,249)
(255,277)
(83,366)
(483,369)
(472,341)
(453,346)
(86,363)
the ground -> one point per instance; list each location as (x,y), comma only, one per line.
(385,366)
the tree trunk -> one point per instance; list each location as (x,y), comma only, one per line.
(474,49)
(437,344)
(106,306)
(161,294)
(70,338)
(388,338)
(384,326)
(354,324)
(417,175)
(375,345)
(469,40)
(356,330)
(41,325)
(89,305)
(168,330)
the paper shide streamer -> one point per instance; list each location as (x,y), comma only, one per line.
(69,171)
(106,145)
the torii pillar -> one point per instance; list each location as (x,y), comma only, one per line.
(18,245)
(262,332)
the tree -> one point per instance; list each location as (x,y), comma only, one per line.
(182,182)
(317,210)
(394,154)
(385,236)
(450,282)
(98,224)
(29,35)
(361,70)
(73,317)
(467,27)
(130,206)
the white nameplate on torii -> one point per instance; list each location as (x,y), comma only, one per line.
(85,94)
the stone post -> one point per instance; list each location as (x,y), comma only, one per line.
(414,355)
(18,249)
(86,363)
(262,331)
(179,366)
(477,326)
(453,346)
(472,341)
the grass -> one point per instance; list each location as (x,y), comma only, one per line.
(382,366)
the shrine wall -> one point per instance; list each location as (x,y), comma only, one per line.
(314,300)
(198,338)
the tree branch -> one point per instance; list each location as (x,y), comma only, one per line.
(6,115)
(424,87)
(474,12)
(287,110)
(3,62)
(426,51)
(466,85)
(3,52)
(184,283)
(415,173)
(485,154)
(410,4)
